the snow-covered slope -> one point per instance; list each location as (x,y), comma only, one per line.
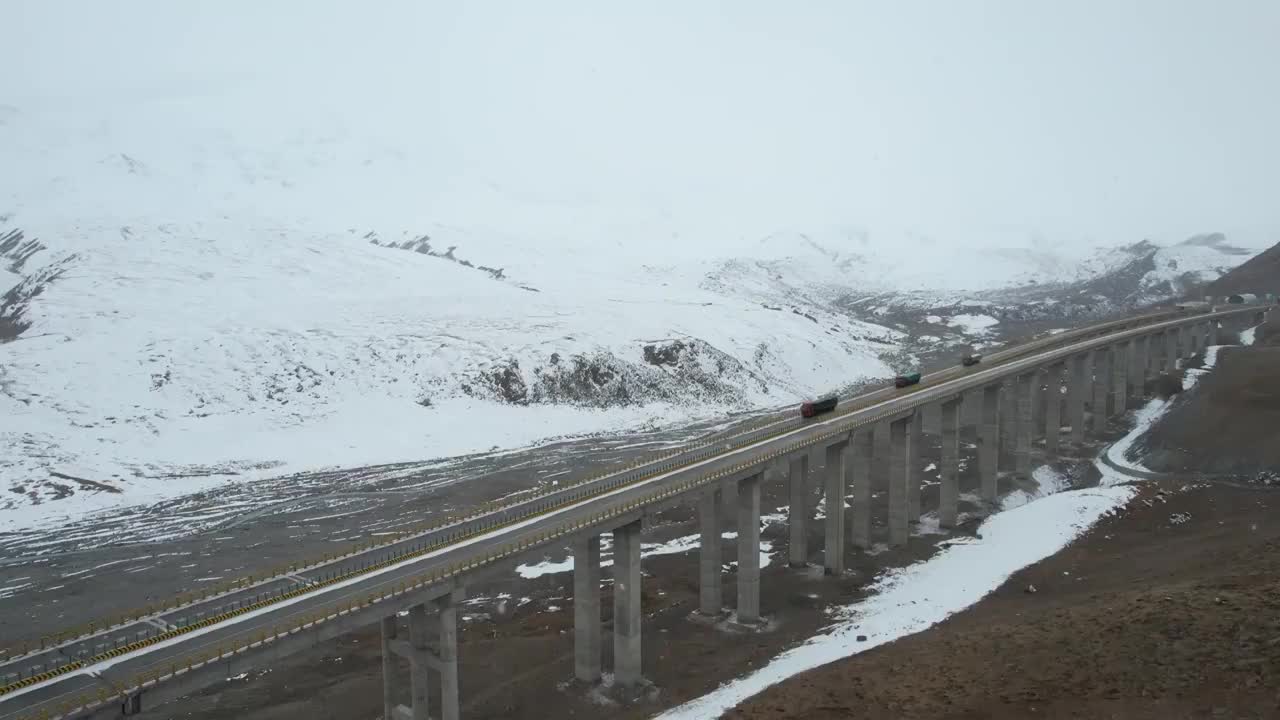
(165,357)
(153,359)
(348,242)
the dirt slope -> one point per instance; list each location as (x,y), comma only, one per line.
(1259,274)
(1147,617)
(1229,425)
(1169,610)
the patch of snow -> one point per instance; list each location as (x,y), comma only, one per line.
(1247,337)
(675,546)
(975,325)
(1146,416)
(915,598)
(1048,482)
(11,590)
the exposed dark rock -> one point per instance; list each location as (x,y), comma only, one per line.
(17,300)
(668,354)
(15,248)
(509,384)
(422,245)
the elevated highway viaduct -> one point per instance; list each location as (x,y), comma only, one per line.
(410,585)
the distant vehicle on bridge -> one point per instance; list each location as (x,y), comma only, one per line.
(904,380)
(826,403)
(971,359)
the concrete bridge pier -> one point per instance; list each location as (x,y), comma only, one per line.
(861,450)
(1137,367)
(1119,376)
(1213,332)
(949,488)
(423,658)
(797,511)
(1026,385)
(1077,394)
(834,491)
(915,473)
(710,554)
(1101,379)
(626,604)
(447,616)
(586,608)
(1008,422)
(902,455)
(748,549)
(989,443)
(1171,350)
(1053,408)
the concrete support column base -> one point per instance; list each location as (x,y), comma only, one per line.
(626,605)
(899,478)
(1101,379)
(915,473)
(834,492)
(710,555)
(989,443)
(1025,385)
(861,451)
(949,489)
(798,511)
(1077,396)
(749,550)
(425,654)
(1053,409)
(586,609)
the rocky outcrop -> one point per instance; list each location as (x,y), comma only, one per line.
(677,371)
(16,301)
(422,245)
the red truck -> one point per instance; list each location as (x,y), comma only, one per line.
(817,407)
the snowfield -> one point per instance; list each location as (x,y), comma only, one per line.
(171,357)
(233,266)
(162,359)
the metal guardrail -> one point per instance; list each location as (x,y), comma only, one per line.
(92,700)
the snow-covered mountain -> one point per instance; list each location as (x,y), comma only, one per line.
(154,359)
(146,360)
(221,266)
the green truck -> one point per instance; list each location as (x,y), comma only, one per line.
(904,380)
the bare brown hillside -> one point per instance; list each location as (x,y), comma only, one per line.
(1169,610)
(1260,274)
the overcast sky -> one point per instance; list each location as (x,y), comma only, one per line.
(1109,120)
